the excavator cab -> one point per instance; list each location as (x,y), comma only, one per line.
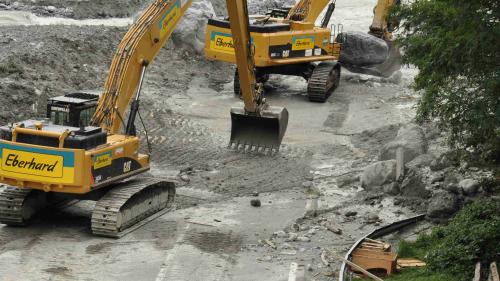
(73,110)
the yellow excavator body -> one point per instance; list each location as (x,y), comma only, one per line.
(275,45)
(84,149)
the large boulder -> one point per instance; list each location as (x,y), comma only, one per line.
(442,205)
(190,32)
(378,174)
(362,49)
(411,139)
(469,186)
(413,185)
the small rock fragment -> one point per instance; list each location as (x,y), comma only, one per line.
(351,213)
(255,202)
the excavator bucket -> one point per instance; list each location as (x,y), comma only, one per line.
(258,133)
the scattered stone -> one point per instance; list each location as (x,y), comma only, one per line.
(413,185)
(255,194)
(437,178)
(441,162)
(442,206)
(351,213)
(51,9)
(185,178)
(333,228)
(309,267)
(378,174)
(411,138)
(347,179)
(421,161)
(255,202)
(303,239)
(304,227)
(292,237)
(469,186)
(372,218)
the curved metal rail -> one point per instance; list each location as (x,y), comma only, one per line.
(377,233)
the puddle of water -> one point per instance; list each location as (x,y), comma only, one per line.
(17,18)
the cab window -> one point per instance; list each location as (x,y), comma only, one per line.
(59,118)
(86,116)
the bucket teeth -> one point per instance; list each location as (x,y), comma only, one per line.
(254,149)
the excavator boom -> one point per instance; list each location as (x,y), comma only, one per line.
(138,48)
(256,126)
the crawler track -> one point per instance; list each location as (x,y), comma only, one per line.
(130,205)
(17,206)
(324,80)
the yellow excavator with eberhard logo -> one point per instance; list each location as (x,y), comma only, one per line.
(80,150)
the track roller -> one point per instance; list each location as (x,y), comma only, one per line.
(323,81)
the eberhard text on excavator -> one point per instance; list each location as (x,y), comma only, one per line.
(88,147)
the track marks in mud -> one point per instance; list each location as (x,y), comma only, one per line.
(179,142)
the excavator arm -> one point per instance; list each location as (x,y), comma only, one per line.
(256,126)
(140,45)
(307,10)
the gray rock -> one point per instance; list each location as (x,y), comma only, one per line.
(190,32)
(441,162)
(411,138)
(255,203)
(185,178)
(420,161)
(437,178)
(413,185)
(378,174)
(442,205)
(362,49)
(351,213)
(303,239)
(280,234)
(469,186)
(392,188)
(292,236)
(51,9)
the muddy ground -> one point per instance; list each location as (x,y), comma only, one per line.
(214,234)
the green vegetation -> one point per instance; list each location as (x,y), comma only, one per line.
(10,68)
(452,251)
(456,46)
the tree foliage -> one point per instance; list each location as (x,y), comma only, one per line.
(456,46)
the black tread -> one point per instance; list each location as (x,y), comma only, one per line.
(323,81)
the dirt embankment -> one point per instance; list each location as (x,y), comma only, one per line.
(77,9)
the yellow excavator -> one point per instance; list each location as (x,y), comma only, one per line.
(287,41)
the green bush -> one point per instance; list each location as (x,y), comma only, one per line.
(472,235)
(456,45)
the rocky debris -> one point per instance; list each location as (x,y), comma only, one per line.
(292,237)
(420,161)
(378,173)
(362,49)
(351,213)
(255,203)
(441,162)
(413,185)
(469,186)
(190,32)
(333,227)
(411,138)
(348,179)
(392,188)
(443,205)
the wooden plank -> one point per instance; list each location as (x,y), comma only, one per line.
(410,263)
(494,272)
